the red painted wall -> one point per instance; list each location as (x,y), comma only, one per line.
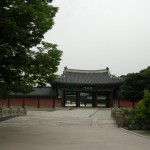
(35,102)
(15,102)
(3,102)
(46,102)
(30,102)
(124,103)
(58,103)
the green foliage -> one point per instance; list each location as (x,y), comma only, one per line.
(134,84)
(44,64)
(139,117)
(23,24)
(134,120)
(144,106)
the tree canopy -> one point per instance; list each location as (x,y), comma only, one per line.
(23,24)
(135,83)
(44,64)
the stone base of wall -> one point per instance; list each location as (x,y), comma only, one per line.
(12,111)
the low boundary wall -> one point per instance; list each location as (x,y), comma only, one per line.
(31,102)
(12,111)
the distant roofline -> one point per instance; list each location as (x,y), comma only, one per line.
(87,77)
(42,92)
(86,71)
(89,71)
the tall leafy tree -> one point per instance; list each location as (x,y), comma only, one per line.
(44,64)
(22,26)
(134,85)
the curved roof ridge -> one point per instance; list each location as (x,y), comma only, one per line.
(86,71)
(87,77)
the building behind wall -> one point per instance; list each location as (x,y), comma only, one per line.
(98,85)
(39,97)
(78,88)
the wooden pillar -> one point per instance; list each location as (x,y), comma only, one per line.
(38,106)
(118,102)
(63,98)
(78,98)
(53,102)
(23,103)
(110,99)
(85,101)
(8,102)
(94,99)
(107,100)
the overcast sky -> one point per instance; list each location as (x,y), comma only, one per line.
(95,34)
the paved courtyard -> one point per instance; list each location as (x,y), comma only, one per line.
(68,129)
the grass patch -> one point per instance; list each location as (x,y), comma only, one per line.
(142,132)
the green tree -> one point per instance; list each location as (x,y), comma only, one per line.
(134,85)
(143,108)
(145,75)
(23,24)
(45,62)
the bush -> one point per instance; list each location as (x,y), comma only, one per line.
(139,117)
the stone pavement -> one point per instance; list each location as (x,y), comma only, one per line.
(75,129)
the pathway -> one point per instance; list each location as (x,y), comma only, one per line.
(76,129)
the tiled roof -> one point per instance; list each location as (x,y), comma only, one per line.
(87,77)
(38,92)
